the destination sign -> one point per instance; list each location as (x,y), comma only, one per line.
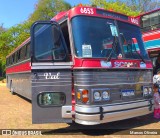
(112,14)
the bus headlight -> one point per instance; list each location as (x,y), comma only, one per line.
(150,91)
(147,91)
(105,95)
(97,96)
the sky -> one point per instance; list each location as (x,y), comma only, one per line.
(13,12)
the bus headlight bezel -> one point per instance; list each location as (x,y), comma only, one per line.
(97,96)
(101,95)
(105,95)
(147,91)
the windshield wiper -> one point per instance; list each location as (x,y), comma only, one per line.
(114,45)
(140,56)
(138,53)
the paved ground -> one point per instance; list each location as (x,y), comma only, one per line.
(15,113)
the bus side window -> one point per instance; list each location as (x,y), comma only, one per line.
(18,55)
(7,61)
(64,28)
(13,58)
(10,60)
(22,54)
(27,54)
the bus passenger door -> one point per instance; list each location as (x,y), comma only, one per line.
(51,74)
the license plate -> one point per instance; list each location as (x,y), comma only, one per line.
(126,93)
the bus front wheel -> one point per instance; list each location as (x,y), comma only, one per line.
(12,89)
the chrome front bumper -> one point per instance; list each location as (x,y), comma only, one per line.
(93,115)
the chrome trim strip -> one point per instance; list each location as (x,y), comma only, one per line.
(112,68)
(52,64)
(18,72)
(64,75)
(110,117)
(50,85)
(113,84)
(42,80)
(18,63)
(111,108)
(51,67)
(51,82)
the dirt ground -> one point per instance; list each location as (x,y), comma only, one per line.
(15,113)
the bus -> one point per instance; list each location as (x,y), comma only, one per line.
(150,27)
(86,65)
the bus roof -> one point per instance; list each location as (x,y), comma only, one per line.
(92,11)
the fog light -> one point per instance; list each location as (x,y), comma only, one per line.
(97,96)
(105,95)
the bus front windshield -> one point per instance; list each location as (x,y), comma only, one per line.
(102,38)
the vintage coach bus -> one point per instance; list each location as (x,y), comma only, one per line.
(86,65)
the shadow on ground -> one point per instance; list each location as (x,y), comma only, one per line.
(118,127)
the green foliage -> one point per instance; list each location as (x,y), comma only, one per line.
(12,38)
(142,5)
(1,29)
(129,7)
(117,6)
(46,9)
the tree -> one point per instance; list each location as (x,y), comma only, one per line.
(2,29)
(46,9)
(143,5)
(133,6)
(11,38)
(117,6)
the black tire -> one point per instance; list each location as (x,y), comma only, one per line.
(12,89)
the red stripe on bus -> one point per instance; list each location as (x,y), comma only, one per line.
(96,63)
(19,68)
(152,36)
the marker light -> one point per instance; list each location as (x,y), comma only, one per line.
(78,95)
(97,96)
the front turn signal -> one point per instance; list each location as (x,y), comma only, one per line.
(85,96)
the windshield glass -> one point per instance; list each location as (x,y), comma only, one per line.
(99,38)
(132,43)
(93,37)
